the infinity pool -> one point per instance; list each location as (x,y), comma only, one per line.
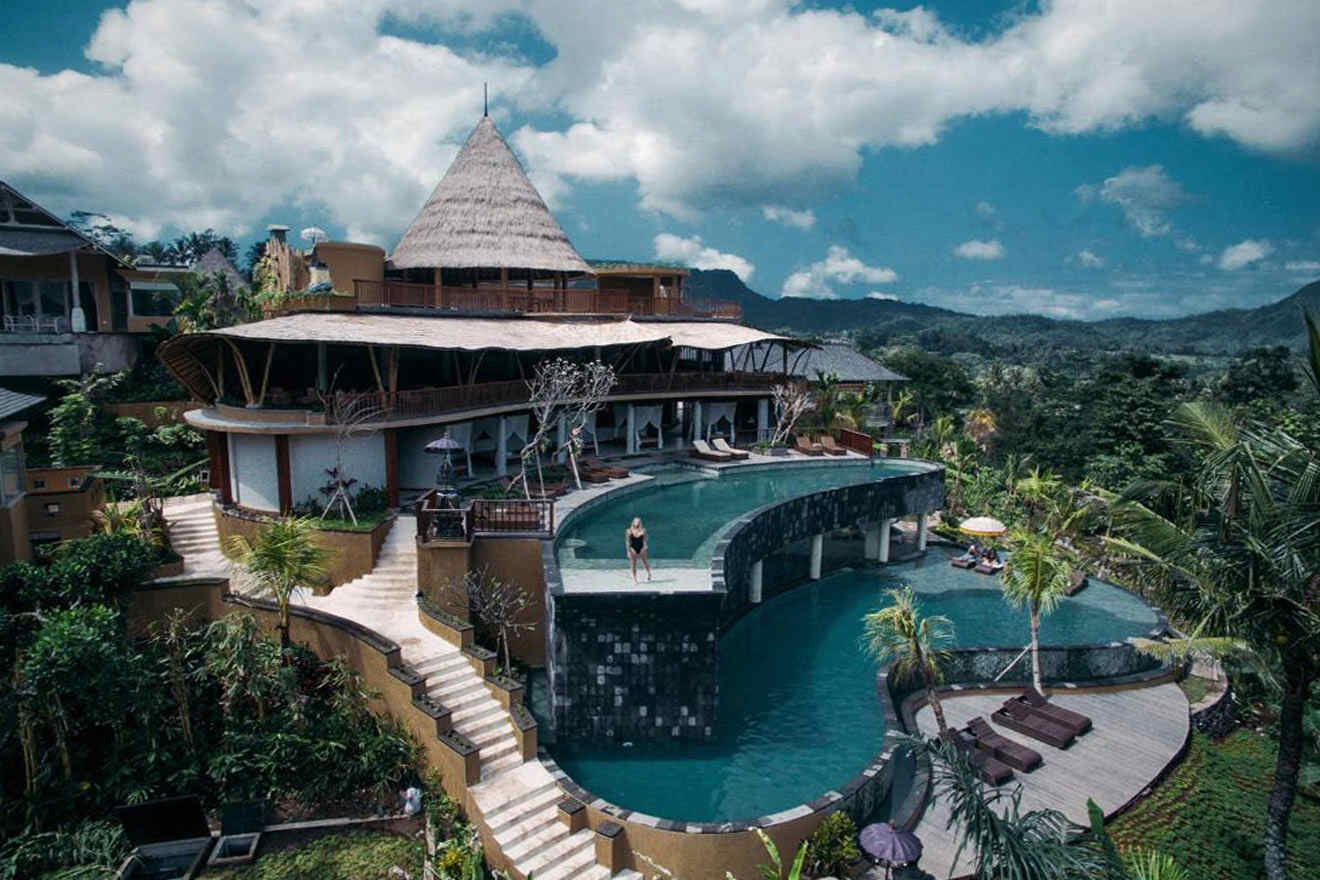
(798,714)
(685,510)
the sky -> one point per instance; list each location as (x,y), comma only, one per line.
(1077,158)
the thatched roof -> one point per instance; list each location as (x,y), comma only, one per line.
(486,213)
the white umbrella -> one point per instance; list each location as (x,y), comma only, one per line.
(983,526)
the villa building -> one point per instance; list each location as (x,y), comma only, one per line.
(370,359)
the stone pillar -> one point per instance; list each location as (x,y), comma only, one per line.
(921,532)
(871,543)
(660,429)
(561,437)
(322,368)
(817,551)
(754,591)
(697,432)
(630,445)
(501,446)
(884,539)
(762,419)
(77,318)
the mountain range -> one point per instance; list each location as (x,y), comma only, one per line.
(881,322)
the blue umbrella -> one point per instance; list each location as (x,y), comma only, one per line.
(890,845)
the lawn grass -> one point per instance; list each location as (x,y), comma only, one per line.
(1209,814)
(353,855)
(1195,687)
(365,523)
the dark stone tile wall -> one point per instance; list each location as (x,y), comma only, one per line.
(636,667)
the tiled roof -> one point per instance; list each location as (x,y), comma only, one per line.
(14,402)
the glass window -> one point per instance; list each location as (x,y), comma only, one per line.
(54,298)
(153,302)
(11,475)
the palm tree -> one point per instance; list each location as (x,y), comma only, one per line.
(916,645)
(1036,576)
(282,558)
(982,426)
(1242,561)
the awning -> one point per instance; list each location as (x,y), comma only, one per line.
(37,243)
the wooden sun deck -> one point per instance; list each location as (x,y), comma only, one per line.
(1136,734)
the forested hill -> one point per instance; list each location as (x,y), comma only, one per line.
(879,322)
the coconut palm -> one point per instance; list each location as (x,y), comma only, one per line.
(916,645)
(1036,575)
(1242,561)
(282,558)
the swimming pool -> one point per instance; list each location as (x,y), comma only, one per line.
(686,509)
(798,713)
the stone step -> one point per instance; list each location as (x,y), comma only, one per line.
(628,874)
(576,866)
(475,710)
(498,749)
(491,769)
(513,811)
(496,720)
(446,660)
(528,825)
(456,690)
(536,843)
(577,850)
(491,734)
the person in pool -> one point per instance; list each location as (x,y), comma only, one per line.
(635,538)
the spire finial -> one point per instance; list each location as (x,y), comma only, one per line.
(485,101)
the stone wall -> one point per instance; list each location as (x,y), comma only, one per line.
(636,666)
(351,554)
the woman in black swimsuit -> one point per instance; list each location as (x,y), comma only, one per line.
(635,540)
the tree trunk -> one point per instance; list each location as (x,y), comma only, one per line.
(284,624)
(937,708)
(1035,647)
(1297,682)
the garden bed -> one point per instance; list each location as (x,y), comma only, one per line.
(1209,814)
(353,549)
(361,855)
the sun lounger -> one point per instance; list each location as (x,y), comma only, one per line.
(962,562)
(827,443)
(1014,754)
(806,447)
(987,766)
(1038,702)
(989,567)
(1019,717)
(701,449)
(722,445)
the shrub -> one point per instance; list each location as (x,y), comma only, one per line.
(833,846)
(96,847)
(369,500)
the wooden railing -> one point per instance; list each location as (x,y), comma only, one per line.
(491,516)
(538,300)
(426,402)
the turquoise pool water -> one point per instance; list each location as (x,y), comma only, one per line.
(685,510)
(798,713)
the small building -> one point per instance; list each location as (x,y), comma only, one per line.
(61,503)
(14,542)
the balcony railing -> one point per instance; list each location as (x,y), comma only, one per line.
(492,516)
(537,300)
(427,402)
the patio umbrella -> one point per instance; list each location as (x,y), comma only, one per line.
(983,527)
(890,845)
(446,446)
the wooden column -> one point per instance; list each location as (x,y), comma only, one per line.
(217,451)
(284,473)
(392,466)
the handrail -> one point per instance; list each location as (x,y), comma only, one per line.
(536,300)
(483,516)
(857,441)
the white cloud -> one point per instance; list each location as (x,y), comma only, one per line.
(986,210)
(1302,265)
(881,295)
(1090,260)
(1244,253)
(1145,195)
(211,112)
(980,250)
(693,252)
(838,267)
(787,216)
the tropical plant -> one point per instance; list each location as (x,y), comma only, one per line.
(1006,843)
(982,426)
(1035,576)
(1242,561)
(916,645)
(832,847)
(775,870)
(282,558)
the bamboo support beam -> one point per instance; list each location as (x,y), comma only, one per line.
(241,366)
(265,374)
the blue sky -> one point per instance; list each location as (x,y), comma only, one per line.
(1072,158)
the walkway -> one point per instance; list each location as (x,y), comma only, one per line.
(517,800)
(1135,735)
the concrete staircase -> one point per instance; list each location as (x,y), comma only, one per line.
(518,800)
(191,527)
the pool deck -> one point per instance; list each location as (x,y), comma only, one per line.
(1136,734)
(670,576)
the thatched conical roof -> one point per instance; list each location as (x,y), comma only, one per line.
(486,213)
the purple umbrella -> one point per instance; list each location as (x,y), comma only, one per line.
(888,844)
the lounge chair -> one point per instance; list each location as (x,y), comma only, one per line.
(963,561)
(827,443)
(806,447)
(1040,704)
(595,464)
(987,766)
(1019,717)
(722,445)
(1014,754)
(989,567)
(701,449)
